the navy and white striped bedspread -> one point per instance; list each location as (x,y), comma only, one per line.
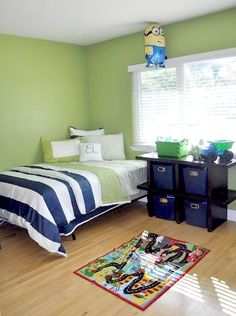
(45,199)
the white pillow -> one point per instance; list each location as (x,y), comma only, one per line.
(90,151)
(74,132)
(112,145)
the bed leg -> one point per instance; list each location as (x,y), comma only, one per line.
(73,236)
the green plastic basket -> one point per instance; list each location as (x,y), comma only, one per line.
(175,149)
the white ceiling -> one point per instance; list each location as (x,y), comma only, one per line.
(91,21)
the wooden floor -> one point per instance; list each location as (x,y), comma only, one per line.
(34,282)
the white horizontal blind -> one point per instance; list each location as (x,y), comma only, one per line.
(194,99)
(210,98)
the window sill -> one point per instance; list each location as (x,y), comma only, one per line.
(144,148)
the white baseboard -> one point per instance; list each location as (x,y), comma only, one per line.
(231,215)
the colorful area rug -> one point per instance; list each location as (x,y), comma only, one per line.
(144,268)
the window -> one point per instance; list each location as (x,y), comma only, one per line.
(193,97)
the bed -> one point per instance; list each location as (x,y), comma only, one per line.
(50,200)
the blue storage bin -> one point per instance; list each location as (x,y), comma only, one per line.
(164,206)
(163,176)
(195,180)
(196,213)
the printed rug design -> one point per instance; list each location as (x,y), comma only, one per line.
(142,269)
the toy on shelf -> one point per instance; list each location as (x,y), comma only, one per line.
(195,152)
(215,149)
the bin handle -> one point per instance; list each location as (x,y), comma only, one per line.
(164,200)
(193,173)
(161,169)
(194,206)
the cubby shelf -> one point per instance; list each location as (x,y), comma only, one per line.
(217,194)
(228,197)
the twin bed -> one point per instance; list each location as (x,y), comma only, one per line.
(52,199)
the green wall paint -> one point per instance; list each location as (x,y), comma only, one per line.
(202,34)
(110,83)
(42,90)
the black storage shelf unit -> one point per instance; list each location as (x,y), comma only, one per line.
(212,185)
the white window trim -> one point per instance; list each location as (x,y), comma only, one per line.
(228,52)
(171,62)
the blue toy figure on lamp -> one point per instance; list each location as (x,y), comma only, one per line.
(155,50)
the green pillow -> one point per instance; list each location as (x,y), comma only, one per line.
(60,151)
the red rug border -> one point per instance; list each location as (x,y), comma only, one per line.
(76,272)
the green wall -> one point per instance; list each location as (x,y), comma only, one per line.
(43,89)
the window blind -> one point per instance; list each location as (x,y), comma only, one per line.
(194,99)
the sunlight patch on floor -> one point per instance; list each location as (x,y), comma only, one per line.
(189,286)
(225,296)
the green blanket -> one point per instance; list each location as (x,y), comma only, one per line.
(111,188)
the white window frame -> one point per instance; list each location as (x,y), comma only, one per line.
(171,62)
